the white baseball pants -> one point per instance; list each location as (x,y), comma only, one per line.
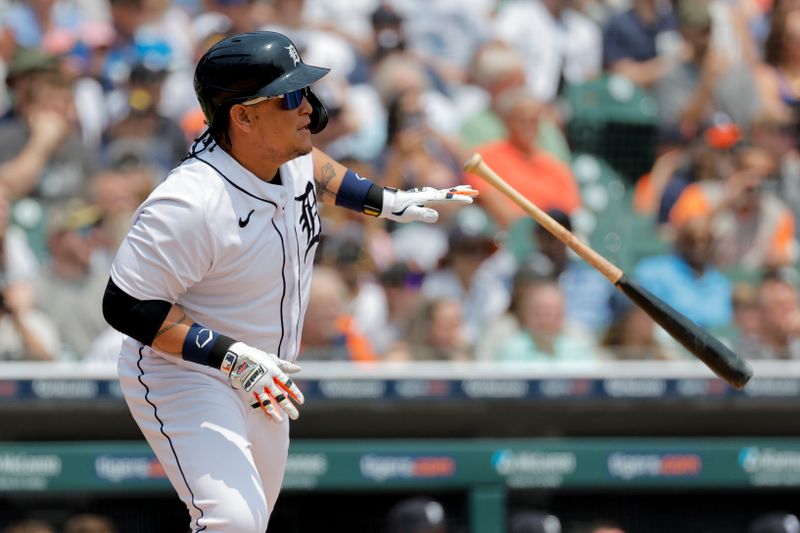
(225,460)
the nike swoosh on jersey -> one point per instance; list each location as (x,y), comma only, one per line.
(243,223)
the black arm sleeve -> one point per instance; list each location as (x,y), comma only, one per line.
(135,318)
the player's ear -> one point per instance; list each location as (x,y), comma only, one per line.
(241,117)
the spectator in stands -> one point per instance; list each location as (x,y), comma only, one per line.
(752,228)
(708,158)
(533,522)
(18,264)
(778,76)
(338,137)
(29,526)
(36,24)
(137,40)
(317,45)
(560,44)
(465,273)
(538,176)
(8,46)
(444,34)
(775,523)
(328,331)
(401,287)
(116,193)
(89,523)
(706,81)
(71,286)
(586,292)
(390,43)
(398,72)
(642,43)
(780,138)
(435,333)
(632,334)
(243,15)
(343,248)
(495,333)
(779,327)
(746,325)
(687,280)
(543,333)
(416,515)
(25,332)
(495,69)
(144,136)
(41,149)
(415,153)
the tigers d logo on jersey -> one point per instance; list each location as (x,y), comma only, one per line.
(293,54)
(310,222)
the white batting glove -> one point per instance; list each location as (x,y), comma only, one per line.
(410,205)
(263,377)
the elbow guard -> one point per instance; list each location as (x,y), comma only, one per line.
(135,318)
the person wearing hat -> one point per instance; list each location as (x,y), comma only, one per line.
(416,515)
(212,282)
(73,279)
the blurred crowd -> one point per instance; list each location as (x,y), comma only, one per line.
(663,132)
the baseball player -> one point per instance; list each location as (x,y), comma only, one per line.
(211,283)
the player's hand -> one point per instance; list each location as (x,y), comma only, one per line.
(412,205)
(263,377)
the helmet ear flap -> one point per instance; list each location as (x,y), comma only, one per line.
(319,113)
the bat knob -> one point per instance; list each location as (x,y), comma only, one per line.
(473,162)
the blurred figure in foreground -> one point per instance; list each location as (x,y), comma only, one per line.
(533,522)
(600,526)
(417,515)
(89,523)
(29,526)
(775,523)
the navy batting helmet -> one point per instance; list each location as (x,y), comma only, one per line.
(252,65)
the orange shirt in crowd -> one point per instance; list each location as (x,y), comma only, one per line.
(541,178)
(358,346)
(776,222)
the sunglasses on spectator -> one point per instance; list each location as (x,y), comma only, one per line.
(291,100)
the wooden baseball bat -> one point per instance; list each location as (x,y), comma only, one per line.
(718,357)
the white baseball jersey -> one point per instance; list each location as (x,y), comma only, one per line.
(236,253)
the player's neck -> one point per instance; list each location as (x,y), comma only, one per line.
(263,169)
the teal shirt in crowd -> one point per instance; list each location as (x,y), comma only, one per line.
(521,347)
